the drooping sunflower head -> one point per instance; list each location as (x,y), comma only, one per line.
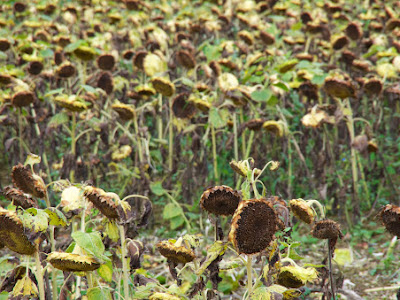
(175,253)
(326,229)
(220,200)
(18,198)
(29,183)
(390,217)
(254,225)
(302,210)
(69,262)
(102,202)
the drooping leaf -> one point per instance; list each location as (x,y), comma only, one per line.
(218,117)
(176,222)
(98,293)
(106,271)
(32,159)
(215,250)
(171,210)
(35,219)
(90,242)
(57,218)
(261,95)
(157,189)
(58,119)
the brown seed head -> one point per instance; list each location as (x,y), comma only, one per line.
(124,111)
(18,198)
(23,98)
(69,262)
(106,62)
(85,53)
(340,42)
(186,59)
(339,88)
(182,108)
(177,254)
(220,200)
(326,229)
(66,70)
(289,280)
(253,226)
(373,86)
(102,202)
(390,217)
(267,38)
(105,82)
(29,183)
(35,67)
(135,250)
(354,31)
(138,59)
(19,7)
(4,44)
(163,86)
(255,124)
(12,233)
(302,210)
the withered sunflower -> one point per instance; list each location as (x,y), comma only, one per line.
(12,233)
(183,108)
(163,86)
(69,262)
(339,88)
(18,198)
(302,210)
(23,98)
(326,229)
(220,200)
(390,216)
(29,183)
(254,225)
(125,111)
(174,253)
(102,202)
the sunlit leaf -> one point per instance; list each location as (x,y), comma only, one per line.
(57,218)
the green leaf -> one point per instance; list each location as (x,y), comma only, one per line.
(261,95)
(3,55)
(212,52)
(215,250)
(73,46)
(157,189)
(261,293)
(46,53)
(53,92)
(294,255)
(318,79)
(296,26)
(57,218)
(218,117)
(90,242)
(97,293)
(176,222)
(171,210)
(88,88)
(187,82)
(282,86)
(35,219)
(58,119)
(94,123)
(273,101)
(343,256)
(144,292)
(106,271)
(3,295)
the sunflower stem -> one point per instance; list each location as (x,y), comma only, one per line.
(330,271)
(214,151)
(249,276)
(73,145)
(39,275)
(124,262)
(170,138)
(20,133)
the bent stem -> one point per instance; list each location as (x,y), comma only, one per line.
(214,151)
(124,262)
(39,275)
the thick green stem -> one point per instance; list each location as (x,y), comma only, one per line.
(54,270)
(249,144)
(159,118)
(214,151)
(289,169)
(249,276)
(124,262)
(139,142)
(73,145)
(170,137)
(39,275)
(235,138)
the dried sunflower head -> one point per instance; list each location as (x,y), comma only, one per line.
(186,59)
(69,262)
(106,62)
(240,167)
(71,103)
(105,82)
(12,233)
(138,59)
(35,67)
(390,216)
(175,253)
(340,88)
(295,276)
(253,226)
(65,70)
(220,200)
(85,53)
(135,250)
(23,98)
(121,153)
(125,111)
(326,229)
(29,183)
(163,86)
(275,127)
(302,210)
(102,202)
(153,64)
(183,108)
(18,198)
(373,86)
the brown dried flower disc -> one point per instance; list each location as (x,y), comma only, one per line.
(105,82)
(392,93)
(340,42)
(35,67)
(106,62)
(18,198)
(326,229)
(66,70)
(69,262)
(302,210)
(138,59)
(12,233)
(390,216)
(23,178)
(4,44)
(289,280)
(102,202)
(220,200)
(23,98)
(186,59)
(174,253)
(253,226)
(135,250)
(267,38)
(339,88)
(255,124)
(124,111)
(354,31)
(163,86)
(183,108)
